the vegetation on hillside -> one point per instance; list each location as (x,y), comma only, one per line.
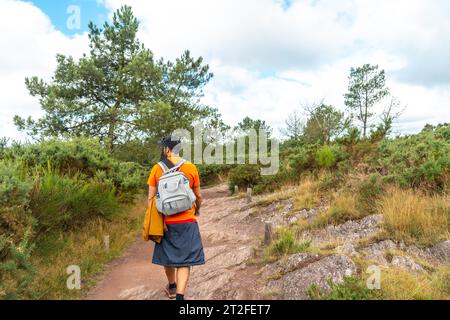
(51,189)
(92,151)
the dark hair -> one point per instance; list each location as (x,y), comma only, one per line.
(163,155)
(170,142)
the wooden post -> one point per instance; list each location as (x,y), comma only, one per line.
(249,195)
(268,235)
(236,189)
(106,242)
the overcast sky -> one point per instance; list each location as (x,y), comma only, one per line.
(268,56)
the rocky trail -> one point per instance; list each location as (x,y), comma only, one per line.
(228,239)
(232,233)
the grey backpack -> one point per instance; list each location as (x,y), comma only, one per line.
(174,194)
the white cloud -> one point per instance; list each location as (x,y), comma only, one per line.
(308,50)
(254,33)
(267,59)
(29,44)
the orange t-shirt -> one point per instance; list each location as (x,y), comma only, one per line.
(191,172)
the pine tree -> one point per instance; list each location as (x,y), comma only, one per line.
(119,92)
(367,87)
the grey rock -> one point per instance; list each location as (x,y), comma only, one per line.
(280,213)
(380,246)
(307,214)
(423,253)
(273,289)
(348,249)
(222,264)
(141,293)
(332,268)
(375,252)
(346,232)
(406,263)
(288,264)
(441,251)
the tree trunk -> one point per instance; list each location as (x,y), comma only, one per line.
(366,105)
(111,138)
(112,129)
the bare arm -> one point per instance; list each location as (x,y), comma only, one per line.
(198,201)
(151,193)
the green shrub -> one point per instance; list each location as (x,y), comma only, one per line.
(301,159)
(77,155)
(325,157)
(16,271)
(365,152)
(16,228)
(329,181)
(421,160)
(369,193)
(352,288)
(3,147)
(268,184)
(14,184)
(82,156)
(49,189)
(15,188)
(286,244)
(244,176)
(212,173)
(128,178)
(61,202)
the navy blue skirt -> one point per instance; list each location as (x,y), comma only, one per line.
(181,246)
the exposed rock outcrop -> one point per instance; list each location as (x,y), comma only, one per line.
(349,231)
(294,285)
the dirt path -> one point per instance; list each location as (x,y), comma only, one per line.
(229,237)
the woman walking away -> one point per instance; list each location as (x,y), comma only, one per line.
(176,185)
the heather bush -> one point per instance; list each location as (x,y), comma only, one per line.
(244,176)
(81,156)
(16,225)
(421,160)
(325,157)
(212,173)
(60,202)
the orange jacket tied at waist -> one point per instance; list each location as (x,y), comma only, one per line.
(154,226)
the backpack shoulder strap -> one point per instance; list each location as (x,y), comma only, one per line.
(178,165)
(166,165)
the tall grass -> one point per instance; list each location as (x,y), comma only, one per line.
(307,195)
(414,217)
(85,247)
(399,284)
(342,209)
(396,284)
(285,244)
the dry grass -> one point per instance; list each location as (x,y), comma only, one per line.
(398,284)
(414,217)
(280,195)
(378,237)
(342,209)
(307,195)
(84,247)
